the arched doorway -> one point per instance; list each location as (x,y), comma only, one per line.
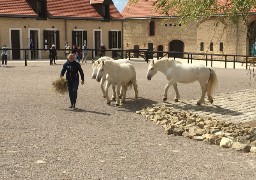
(136,49)
(251,35)
(177,46)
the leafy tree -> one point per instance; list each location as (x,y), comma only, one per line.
(188,10)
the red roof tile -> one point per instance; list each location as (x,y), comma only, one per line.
(77,9)
(16,8)
(145,8)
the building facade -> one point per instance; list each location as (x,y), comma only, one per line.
(37,24)
(148,29)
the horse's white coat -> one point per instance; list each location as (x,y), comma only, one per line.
(176,72)
(95,65)
(119,74)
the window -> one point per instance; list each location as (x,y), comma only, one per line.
(201,46)
(152,28)
(221,46)
(211,46)
(79,37)
(41,9)
(51,37)
(114,39)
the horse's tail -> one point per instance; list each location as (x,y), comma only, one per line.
(212,82)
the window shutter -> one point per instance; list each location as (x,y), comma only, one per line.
(85,37)
(110,39)
(57,39)
(119,39)
(73,38)
(45,38)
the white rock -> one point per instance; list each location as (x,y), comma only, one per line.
(226,142)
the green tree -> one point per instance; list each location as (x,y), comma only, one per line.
(188,10)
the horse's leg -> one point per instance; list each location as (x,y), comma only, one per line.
(177,97)
(124,89)
(114,92)
(102,81)
(118,94)
(135,86)
(106,91)
(203,88)
(166,89)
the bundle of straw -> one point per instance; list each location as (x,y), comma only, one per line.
(60,85)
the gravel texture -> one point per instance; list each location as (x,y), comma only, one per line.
(41,139)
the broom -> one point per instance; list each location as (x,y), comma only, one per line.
(60,85)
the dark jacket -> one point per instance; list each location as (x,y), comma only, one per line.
(53,52)
(71,69)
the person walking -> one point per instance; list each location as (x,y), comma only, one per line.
(52,55)
(72,70)
(85,53)
(4,55)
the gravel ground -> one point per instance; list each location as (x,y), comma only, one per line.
(41,139)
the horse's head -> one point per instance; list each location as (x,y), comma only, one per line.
(151,70)
(100,71)
(95,65)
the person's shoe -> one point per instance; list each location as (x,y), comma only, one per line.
(74,108)
(70,106)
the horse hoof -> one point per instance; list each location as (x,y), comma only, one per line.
(176,100)
(164,99)
(113,99)
(117,104)
(211,101)
(198,103)
(108,103)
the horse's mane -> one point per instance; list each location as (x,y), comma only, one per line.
(168,60)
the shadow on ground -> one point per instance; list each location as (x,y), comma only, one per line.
(204,108)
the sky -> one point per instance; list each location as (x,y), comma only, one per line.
(120,4)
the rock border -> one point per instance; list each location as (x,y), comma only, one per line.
(226,134)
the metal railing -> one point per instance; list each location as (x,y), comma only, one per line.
(146,55)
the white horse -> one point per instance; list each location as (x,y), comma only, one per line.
(176,72)
(95,65)
(122,75)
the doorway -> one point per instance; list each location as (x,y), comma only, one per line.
(178,47)
(15,44)
(33,44)
(97,42)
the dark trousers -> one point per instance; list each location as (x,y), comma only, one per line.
(72,90)
(4,59)
(52,59)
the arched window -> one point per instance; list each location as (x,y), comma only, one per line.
(221,46)
(211,46)
(202,46)
(152,28)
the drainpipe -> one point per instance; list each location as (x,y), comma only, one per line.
(65,24)
(123,39)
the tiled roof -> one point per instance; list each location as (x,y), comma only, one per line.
(77,9)
(145,8)
(57,9)
(15,8)
(96,1)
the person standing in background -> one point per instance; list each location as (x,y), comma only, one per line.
(102,50)
(53,54)
(4,55)
(85,53)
